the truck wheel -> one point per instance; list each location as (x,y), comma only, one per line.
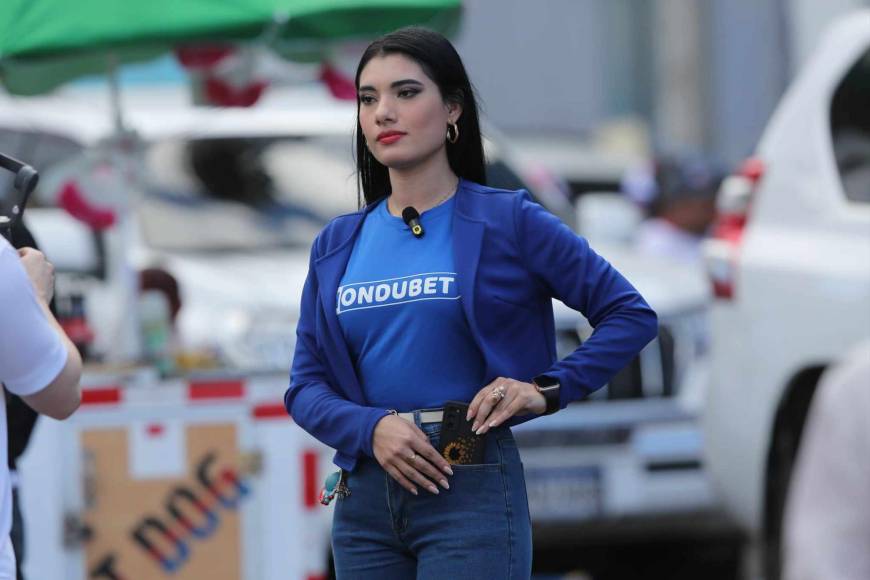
(782,464)
(788,428)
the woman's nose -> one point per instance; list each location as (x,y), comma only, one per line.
(385,113)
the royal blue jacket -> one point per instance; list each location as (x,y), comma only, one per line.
(512,257)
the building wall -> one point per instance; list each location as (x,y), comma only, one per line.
(747,72)
(705,75)
(557,65)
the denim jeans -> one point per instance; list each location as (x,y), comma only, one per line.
(479,529)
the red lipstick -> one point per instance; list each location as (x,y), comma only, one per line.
(388,137)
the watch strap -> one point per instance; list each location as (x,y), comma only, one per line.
(550,388)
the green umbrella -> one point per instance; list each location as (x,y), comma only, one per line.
(44,43)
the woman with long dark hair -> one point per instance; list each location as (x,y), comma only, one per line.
(440,290)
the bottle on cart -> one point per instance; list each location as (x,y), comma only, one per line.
(155,322)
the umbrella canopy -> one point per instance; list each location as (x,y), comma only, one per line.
(44,43)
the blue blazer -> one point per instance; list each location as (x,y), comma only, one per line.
(512,257)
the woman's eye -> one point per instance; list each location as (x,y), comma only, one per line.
(407,93)
(366,99)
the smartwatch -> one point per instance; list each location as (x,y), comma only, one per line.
(549,387)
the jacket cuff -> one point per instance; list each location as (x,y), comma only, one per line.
(569,391)
(375,415)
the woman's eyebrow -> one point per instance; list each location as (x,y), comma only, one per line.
(393,85)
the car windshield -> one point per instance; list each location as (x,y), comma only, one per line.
(244,193)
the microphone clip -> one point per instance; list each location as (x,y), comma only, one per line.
(412,218)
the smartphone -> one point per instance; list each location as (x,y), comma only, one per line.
(458,444)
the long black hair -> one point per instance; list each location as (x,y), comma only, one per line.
(442,64)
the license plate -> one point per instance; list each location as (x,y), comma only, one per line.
(564,493)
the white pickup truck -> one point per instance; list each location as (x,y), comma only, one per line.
(790,266)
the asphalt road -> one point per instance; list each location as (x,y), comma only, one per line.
(671,559)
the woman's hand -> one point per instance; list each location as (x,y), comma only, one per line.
(502,399)
(404,451)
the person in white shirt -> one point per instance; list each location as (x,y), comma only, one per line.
(38,362)
(827,520)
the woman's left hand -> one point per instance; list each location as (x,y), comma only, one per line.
(502,399)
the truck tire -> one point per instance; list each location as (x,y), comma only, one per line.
(788,428)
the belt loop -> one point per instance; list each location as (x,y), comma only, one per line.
(417,420)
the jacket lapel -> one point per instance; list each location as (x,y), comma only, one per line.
(330,268)
(467,243)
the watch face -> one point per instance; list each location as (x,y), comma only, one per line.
(544,382)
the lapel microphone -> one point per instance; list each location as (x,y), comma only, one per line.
(412,218)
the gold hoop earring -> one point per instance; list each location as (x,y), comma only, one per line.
(452,132)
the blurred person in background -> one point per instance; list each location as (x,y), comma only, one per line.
(827,520)
(679,196)
(38,362)
(376,360)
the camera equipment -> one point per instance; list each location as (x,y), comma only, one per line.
(13,202)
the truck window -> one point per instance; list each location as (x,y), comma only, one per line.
(850,130)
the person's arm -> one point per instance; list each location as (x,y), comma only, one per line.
(37,342)
(566,268)
(311,401)
(62,396)
(571,271)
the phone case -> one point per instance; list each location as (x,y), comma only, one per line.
(459,445)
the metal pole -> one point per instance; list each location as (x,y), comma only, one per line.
(115,93)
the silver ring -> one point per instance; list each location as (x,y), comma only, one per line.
(413,457)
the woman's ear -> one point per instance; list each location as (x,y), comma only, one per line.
(454,108)
(454,111)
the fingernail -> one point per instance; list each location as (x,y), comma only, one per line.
(493,424)
(414,491)
(469,416)
(444,484)
(434,490)
(448,470)
(474,427)
(480,431)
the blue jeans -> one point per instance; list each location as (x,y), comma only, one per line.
(476,530)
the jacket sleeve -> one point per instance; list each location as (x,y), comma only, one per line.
(568,269)
(311,401)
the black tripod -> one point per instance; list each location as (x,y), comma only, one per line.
(25,181)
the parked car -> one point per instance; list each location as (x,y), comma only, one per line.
(790,267)
(224,200)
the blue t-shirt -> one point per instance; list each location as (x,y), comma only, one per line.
(401,314)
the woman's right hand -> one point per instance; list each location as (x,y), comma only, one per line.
(404,451)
